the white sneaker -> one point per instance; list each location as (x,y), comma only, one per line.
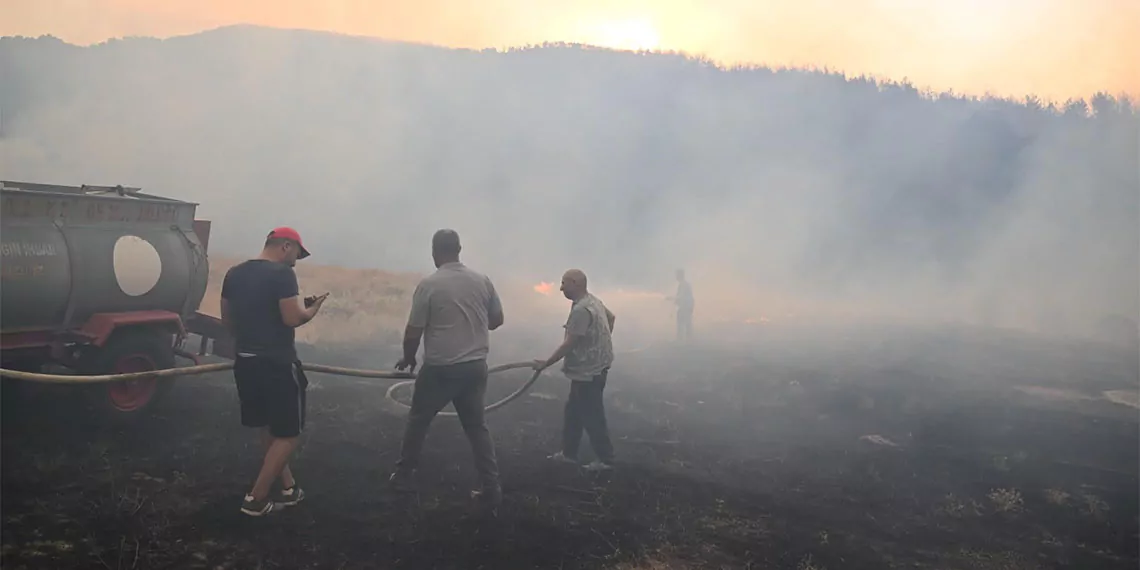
(598,466)
(561,458)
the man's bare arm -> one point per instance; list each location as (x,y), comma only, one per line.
(418,318)
(412,337)
(293,314)
(494,308)
(562,350)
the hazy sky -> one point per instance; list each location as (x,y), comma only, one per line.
(1054,48)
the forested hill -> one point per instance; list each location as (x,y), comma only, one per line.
(802,183)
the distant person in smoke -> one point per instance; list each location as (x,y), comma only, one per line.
(587,352)
(261,307)
(454,310)
(684,301)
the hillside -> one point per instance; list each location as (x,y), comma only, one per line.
(782,184)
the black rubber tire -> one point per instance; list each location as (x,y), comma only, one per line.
(140,345)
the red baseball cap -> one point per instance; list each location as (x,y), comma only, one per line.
(290,234)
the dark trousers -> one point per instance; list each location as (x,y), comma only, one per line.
(684,324)
(586,411)
(464,386)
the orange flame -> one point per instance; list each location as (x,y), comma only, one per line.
(544,288)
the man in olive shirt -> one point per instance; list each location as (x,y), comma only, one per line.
(588,352)
(454,310)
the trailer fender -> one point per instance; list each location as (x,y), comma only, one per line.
(101,326)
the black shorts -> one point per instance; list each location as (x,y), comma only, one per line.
(272,393)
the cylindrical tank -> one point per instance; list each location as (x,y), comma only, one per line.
(66,254)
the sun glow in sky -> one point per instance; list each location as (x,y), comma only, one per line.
(635,34)
(1055,49)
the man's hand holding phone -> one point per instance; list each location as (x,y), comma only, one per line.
(315,301)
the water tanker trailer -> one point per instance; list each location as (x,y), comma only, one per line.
(101,280)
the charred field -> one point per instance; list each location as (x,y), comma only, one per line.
(891,449)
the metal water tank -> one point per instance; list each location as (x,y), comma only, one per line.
(69,252)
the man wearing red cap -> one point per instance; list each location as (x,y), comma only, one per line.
(261,307)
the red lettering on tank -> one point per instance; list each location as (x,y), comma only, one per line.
(157,213)
(100,212)
(20,271)
(89,211)
(116,213)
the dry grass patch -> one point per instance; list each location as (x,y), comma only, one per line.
(723,524)
(364,305)
(1056,497)
(662,558)
(655,563)
(806,563)
(955,507)
(1006,500)
(1094,506)
(982,560)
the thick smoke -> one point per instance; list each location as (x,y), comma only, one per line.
(783,192)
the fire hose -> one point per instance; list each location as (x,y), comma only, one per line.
(407,377)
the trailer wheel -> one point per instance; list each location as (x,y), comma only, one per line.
(130,351)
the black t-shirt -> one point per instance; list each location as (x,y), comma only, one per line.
(253,290)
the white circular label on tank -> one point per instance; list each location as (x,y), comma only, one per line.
(137,265)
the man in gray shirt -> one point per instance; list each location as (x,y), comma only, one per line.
(587,348)
(454,310)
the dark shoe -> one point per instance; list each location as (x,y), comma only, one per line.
(255,508)
(291,496)
(488,501)
(403,480)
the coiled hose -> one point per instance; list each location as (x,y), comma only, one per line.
(391,393)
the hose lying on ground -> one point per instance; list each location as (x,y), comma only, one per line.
(187,371)
(408,377)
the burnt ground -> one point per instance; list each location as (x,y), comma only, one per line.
(732,457)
